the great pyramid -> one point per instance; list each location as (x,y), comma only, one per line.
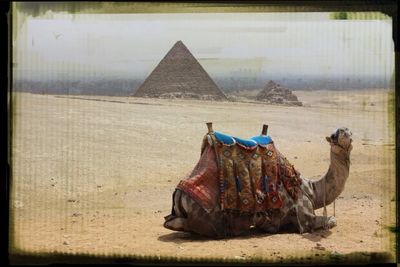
(275,93)
(179,75)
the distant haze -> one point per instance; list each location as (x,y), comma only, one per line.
(258,46)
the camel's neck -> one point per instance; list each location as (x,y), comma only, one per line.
(332,183)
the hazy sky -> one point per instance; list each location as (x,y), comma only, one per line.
(130,45)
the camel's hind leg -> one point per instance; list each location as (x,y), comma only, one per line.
(189,216)
(176,224)
(176,221)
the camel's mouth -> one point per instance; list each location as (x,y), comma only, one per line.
(349,134)
(344,138)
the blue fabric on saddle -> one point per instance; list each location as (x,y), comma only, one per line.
(227,139)
(224,138)
(247,143)
(262,140)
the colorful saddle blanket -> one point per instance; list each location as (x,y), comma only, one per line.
(240,174)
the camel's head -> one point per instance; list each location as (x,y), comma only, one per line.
(341,140)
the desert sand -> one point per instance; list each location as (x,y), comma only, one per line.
(95,174)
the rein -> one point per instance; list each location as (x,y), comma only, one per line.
(325,212)
(347,159)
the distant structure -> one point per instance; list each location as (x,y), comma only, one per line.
(277,94)
(180,75)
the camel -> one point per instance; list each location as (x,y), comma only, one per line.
(189,216)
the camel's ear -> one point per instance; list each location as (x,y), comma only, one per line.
(329,139)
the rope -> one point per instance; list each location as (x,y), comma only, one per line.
(220,170)
(325,212)
(334,209)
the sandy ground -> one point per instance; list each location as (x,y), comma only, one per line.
(96,174)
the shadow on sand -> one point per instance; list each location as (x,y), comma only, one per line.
(317,235)
(185,237)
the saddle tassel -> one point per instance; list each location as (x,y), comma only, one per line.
(238,186)
(237,179)
(265,183)
(265,178)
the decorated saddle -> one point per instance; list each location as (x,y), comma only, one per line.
(240,174)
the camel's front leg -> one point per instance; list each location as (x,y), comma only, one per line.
(306,220)
(324,222)
(313,222)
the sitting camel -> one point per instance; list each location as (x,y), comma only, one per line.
(189,215)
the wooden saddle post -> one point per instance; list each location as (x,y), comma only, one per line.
(264,129)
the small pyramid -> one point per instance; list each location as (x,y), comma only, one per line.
(179,75)
(275,93)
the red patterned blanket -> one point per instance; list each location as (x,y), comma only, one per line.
(234,177)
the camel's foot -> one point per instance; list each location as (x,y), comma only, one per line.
(175,223)
(330,222)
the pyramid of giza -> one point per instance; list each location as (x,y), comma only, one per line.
(179,75)
(277,94)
